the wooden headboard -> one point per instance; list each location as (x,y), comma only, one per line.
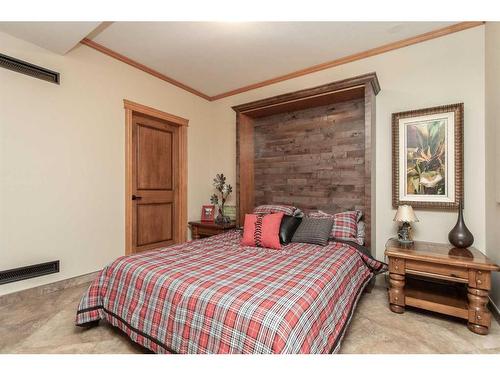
(313,149)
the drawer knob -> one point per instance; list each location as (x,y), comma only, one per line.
(479,272)
(479,281)
(479,317)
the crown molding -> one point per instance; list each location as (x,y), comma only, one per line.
(144,68)
(298,73)
(354,57)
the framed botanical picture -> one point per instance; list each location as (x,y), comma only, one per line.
(427,157)
(208,213)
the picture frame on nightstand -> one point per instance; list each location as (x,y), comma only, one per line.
(208,213)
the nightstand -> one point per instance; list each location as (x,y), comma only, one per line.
(201,229)
(441,278)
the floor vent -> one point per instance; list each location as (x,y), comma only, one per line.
(28,272)
(24,67)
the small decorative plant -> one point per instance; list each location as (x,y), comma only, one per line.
(219,198)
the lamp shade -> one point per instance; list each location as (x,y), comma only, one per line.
(405,214)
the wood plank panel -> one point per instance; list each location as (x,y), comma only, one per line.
(245,166)
(312,158)
(315,158)
(370,172)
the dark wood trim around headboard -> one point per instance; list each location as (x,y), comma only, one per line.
(361,87)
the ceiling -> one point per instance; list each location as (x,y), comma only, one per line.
(216,57)
(58,37)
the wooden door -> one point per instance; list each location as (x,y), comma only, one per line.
(155,178)
(155,182)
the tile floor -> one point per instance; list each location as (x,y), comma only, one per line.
(45,324)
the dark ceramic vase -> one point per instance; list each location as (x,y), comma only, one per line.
(221,219)
(460,236)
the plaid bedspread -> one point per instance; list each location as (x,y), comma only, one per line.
(216,296)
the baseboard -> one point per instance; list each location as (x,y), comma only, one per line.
(47,288)
(495,311)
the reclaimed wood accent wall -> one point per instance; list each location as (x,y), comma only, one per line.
(312,148)
(312,158)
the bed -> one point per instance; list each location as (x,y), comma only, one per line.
(216,296)
(310,149)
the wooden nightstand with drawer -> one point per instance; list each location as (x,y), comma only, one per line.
(202,229)
(440,278)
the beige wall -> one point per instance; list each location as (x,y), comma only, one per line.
(493,150)
(62,147)
(441,71)
(62,158)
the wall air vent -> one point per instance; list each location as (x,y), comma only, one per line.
(24,67)
(28,272)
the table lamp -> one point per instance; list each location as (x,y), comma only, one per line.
(405,216)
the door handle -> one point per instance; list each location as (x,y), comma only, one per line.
(136,198)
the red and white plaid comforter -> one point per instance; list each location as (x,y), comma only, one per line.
(216,296)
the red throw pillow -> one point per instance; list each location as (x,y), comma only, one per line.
(262,230)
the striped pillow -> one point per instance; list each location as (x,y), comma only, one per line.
(345,224)
(262,230)
(266,209)
(313,230)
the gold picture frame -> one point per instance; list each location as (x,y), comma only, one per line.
(427,157)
